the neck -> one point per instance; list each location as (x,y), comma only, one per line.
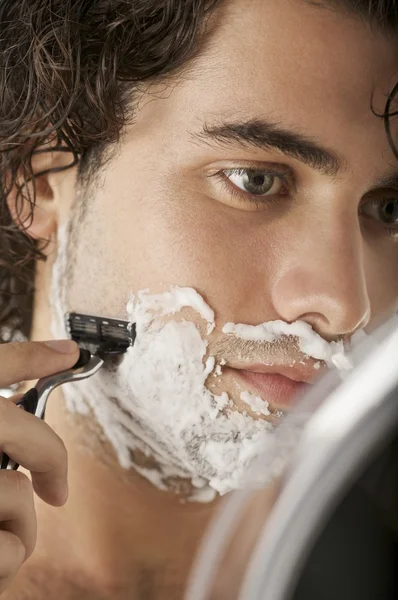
(116,527)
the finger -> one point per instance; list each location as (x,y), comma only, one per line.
(16,398)
(12,556)
(32,443)
(23,361)
(17,510)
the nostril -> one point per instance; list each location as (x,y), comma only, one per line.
(334,301)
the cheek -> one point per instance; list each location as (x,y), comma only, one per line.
(104,258)
(197,242)
(154,239)
(153,243)
(381,271)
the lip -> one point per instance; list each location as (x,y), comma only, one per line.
(279,385)
(299,371)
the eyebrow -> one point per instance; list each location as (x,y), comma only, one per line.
(267,135)
(390,181)
(270,136)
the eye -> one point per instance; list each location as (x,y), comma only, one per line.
(257,182)
(384,210)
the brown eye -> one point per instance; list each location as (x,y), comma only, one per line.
(255,182)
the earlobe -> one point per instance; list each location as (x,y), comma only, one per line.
(41,220)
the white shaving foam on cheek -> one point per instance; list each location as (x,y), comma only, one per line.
(310,342)
(156,401)
(170,303)
(58,289)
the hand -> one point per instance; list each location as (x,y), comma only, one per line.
(30,442)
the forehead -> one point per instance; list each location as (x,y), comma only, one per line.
(312,69)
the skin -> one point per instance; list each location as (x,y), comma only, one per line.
(311,254)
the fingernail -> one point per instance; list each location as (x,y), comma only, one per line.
(64,346)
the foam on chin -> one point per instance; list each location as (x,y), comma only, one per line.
(164,408)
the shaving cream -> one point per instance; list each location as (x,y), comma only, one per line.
(157,401)
(310,343)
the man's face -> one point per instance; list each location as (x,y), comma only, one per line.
(208,192)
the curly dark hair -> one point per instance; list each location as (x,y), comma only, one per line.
(68,71)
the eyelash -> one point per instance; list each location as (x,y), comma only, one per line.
(391,231)
(260,201)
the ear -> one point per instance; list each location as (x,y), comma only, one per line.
(50,168)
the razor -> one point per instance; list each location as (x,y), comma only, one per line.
(99,339)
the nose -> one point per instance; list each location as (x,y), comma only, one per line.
(322,279)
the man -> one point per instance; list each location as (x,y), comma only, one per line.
(233,149)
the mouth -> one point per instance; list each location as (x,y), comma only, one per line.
(280,386)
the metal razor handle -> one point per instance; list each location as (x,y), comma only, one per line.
(35,400)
